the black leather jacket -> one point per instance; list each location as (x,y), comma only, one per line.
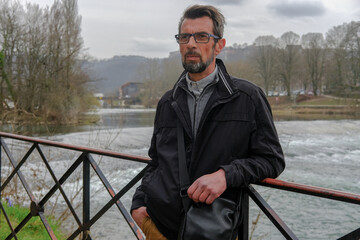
(236,133)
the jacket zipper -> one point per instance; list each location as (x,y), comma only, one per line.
(194,117)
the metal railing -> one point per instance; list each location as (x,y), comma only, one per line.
(86,159)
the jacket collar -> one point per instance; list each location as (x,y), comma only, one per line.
(225,84)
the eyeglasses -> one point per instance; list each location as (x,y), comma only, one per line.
(200,37)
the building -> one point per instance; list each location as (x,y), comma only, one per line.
(130,90)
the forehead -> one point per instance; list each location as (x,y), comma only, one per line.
(203,24)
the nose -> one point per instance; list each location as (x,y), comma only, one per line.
(192,42)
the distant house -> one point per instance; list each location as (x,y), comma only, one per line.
(130,90)
(100,98)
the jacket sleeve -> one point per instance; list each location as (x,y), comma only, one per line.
(265,156)
(139,196)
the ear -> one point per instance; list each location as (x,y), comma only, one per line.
(220,45)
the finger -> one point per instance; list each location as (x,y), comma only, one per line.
(192,188)
(195,196)
(203,196)
(210,199)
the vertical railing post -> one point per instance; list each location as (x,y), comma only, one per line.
(86,197)
(0,172)
(243,230)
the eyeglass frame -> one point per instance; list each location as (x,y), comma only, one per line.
(193,35)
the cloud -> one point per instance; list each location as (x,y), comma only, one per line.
(298,9)
(357,13)
(246,21)
(224,2)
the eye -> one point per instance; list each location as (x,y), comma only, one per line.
(202,36)
(183,36)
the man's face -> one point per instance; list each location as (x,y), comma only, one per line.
(197,57)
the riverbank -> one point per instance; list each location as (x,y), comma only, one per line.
(314,108)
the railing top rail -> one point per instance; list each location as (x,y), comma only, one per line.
(76,148)
(312,190)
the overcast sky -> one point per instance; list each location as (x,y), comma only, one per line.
(147,27)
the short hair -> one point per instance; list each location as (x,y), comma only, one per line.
(198,11)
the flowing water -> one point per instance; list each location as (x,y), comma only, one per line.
(318,153)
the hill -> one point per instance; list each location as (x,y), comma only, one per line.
(110,74)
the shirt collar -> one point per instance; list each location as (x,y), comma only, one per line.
(197,87)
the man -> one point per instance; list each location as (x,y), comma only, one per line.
(230,137)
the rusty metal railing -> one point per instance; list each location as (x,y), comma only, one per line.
(86,159)
(298,188)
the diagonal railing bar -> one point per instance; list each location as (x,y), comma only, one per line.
(118,196)
(65,176)
(111,202)
(19,227)
(8,220)
(75,233)
(270,213)
(27,188)
(58,184)
(23,160)
(47,226)
(354,235)
(119,204)
(20,175)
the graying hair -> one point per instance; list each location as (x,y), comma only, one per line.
(198,11)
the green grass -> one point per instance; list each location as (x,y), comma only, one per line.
(33,230)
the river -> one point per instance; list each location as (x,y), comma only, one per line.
(319,153)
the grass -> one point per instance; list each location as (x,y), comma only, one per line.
(33,230)
(313,108)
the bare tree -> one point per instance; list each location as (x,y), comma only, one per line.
(10,35)
(314,52)
(353,51)
(30,59)
(287,58)
(42,51)
(336,70)
(265,59)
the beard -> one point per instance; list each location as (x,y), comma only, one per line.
(197,67)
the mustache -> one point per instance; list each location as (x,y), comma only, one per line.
(193,53)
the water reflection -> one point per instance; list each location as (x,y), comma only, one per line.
(128,119)
(108,119)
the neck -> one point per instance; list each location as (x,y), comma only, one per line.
(198,76)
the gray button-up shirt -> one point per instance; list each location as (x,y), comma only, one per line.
(200,93)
